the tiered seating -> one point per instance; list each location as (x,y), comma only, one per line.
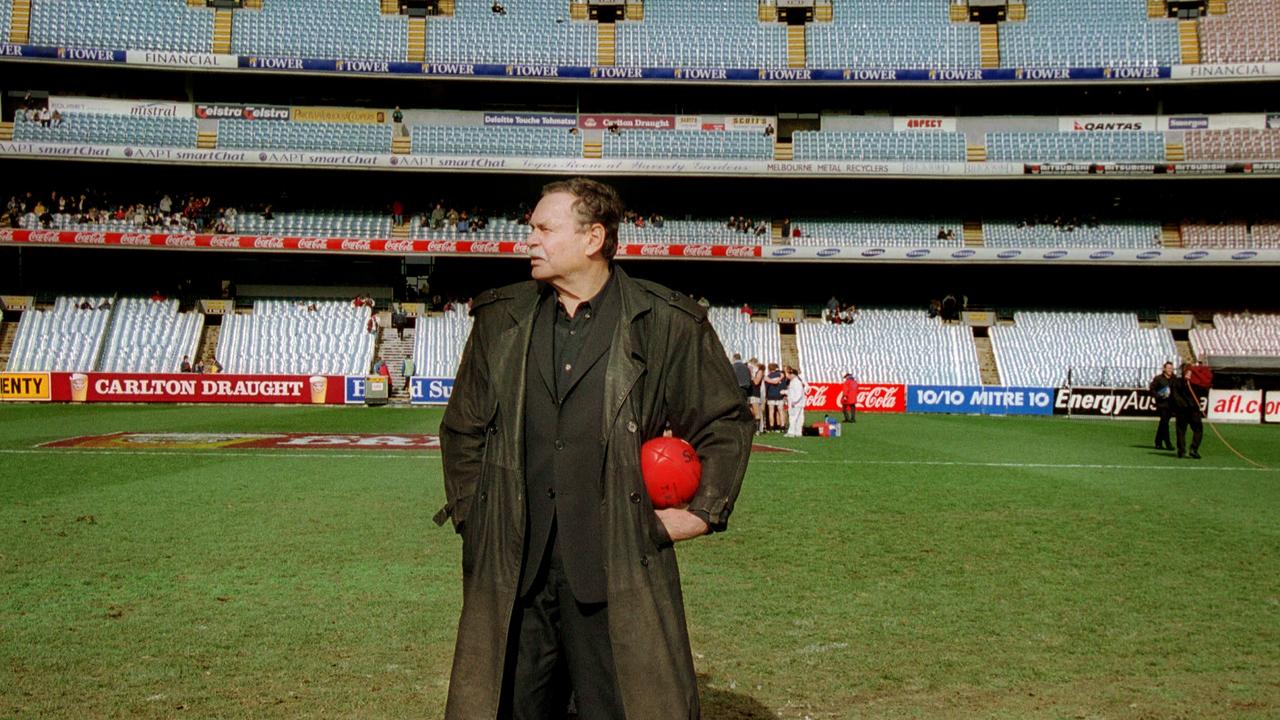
(150,336)
(284,337)
(1257,335)
(1233,144)
(313,136)
(750,339)
(889,346)
(533,32)
(894,232)
(1249,32)
(1089,33)
(64,339)
(505,141)
(688,144)
(1119,146)
(697,232)
(122,24)
(345,29)
(902,146)
(701,33)
(1231,235)
(898,34)
(335,223)
(1005,234)
(1048,349)
(106,129)
(438,341)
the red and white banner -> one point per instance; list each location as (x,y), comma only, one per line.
(1243,406)
(872,397)
(1271,407)
(342,245)
(627,122)
(190,388)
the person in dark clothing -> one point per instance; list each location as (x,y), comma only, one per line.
(1186,407)
(569,576)
(1160,387)
(743,375)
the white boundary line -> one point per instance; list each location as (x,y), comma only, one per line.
(1186,466)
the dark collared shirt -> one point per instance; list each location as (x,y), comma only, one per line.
(570,333)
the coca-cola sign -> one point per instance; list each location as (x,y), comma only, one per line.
(486,247)
(872,397)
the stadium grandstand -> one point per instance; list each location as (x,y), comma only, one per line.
(967,208)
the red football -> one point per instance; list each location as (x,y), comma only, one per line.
(671,471)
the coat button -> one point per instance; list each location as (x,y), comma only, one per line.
(631,425)
(551,493)
(635,497)
(559,444)
(484,496)
(644,560)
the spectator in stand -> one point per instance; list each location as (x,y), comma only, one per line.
(745,310)
(213,367)
(849,398)
(198,367)
(105,304)
(397,115)
(186,364)
(796,389)
(85,305)
(385,371)
(498,9)
(397,212)
(157,296)
(775,417)
(437,216)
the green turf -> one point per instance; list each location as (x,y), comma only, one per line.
(919,567)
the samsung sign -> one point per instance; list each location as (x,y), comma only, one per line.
(979,400)
(430,391)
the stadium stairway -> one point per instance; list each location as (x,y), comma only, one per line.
(1016,11)
(606,43)
(634,10)
(1171,235)
(417,51)
(592,148)
(6,131)
(989,44)
(207,139)
(789,347)
(1184,350)
(1217,7)
(390,7)
(1157,9)
(20,22)
(394,351)
(960,12)
(796,57)
(402,142)
(208,345)
(973,236)
(783,151)
(8,332)
(975,153)
(1189,40)
(223,22)
(987,364)
(1175,152)
(824,13)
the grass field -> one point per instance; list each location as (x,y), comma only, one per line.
(919,567)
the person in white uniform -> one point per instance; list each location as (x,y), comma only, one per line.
(795,401)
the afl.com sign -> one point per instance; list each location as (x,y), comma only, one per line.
(430,391)
(984,400)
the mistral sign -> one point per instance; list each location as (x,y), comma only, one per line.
(986,400)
